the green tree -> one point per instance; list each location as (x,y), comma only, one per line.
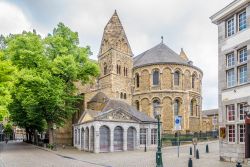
(48,69)
(7,78)
(8,130)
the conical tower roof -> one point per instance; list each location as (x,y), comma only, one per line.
(114,36)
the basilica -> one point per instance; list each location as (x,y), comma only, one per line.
(118,108)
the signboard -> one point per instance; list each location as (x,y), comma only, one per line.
(177,122)
(214,121)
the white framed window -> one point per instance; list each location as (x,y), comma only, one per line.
(231,134)
(241,133)
(143,136)
(230,59)
(242,74)
(241,111)
(230,78)
(242,18)
(230,112)
(153,136)
(230,27)
(242,55)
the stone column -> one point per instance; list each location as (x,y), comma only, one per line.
(97,140)
(125,140)
(112,139)
(148,136)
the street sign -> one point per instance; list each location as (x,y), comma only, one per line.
(177,122)
(214,121)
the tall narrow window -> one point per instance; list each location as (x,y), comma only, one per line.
(242,55)
(230,59)
(124,71)
(242,72)
(241,111)
(241,133)
(230,27)
(121,95)
(143,134)
(105,69)
(117,69)
(230,78)
(177,78)
(137,80)
(125,96)
(156,77)
(193,81)
(231,133)
(230,112)
(242,20)
(192,108)
(137,104)
(153,136)
(176,107)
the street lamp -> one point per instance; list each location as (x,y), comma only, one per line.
(157,114)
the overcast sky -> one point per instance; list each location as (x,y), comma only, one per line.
(183,23)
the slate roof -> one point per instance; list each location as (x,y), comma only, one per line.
(210,112)
(159,54)
(114,104)
(100,97)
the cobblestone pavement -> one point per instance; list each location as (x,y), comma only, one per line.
(26,155)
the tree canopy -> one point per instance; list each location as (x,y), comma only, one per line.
(44,93)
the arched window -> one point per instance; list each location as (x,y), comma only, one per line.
(121,95)
(176,107)
(156,102)
(192,108)
(137,104)
(125,96)
(117,69)
(105,69)
(193,81)
(124,71)
(137,80)
(177,78)
(156,77)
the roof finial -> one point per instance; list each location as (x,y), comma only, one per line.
(161,39)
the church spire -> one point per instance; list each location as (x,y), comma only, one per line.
(114,37)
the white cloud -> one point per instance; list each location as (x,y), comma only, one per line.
(182,23)
(12,19)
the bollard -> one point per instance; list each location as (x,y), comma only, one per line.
(190,162)
(238,164)
(197,154)
(190,151)
(207,149)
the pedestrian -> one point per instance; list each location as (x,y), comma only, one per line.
(6,140)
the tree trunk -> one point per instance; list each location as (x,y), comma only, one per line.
(51,133)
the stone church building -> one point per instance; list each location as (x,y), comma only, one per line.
(118,108)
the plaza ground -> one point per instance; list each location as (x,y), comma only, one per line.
(19,154)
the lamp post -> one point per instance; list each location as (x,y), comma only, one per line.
(157,114)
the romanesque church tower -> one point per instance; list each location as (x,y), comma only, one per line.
(116,61)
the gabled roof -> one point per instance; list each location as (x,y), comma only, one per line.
(114,104)
(159,54)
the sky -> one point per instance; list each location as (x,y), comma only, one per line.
(183,24)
